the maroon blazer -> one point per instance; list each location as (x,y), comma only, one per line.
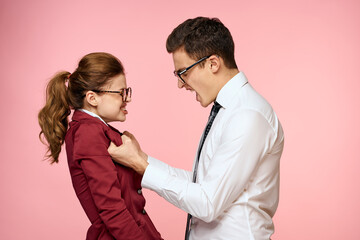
(109,193)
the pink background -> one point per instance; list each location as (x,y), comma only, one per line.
(303,56)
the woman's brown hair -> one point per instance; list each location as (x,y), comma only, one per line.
(66,91)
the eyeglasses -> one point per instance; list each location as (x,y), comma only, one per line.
(125,93)
(181,72)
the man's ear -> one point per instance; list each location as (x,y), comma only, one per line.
(91,98)
(215,63)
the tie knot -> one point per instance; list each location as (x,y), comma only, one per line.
(215,108)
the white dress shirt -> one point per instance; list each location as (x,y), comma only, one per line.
(237,188)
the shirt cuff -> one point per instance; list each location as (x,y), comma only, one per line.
(155,174)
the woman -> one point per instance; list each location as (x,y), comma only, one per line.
(109,193)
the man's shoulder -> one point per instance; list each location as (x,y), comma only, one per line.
(248,107)
(249,100)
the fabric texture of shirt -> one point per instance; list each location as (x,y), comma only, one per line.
(109,193)
(237,189)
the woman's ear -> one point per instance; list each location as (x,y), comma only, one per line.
(91,98)
(215,63)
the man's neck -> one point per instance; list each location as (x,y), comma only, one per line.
(225,77)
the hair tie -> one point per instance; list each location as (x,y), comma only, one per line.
(67,80)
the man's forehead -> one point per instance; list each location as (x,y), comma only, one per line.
(181,60)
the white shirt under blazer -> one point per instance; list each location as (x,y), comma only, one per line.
(237,189)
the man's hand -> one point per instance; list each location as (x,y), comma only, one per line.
(129,153)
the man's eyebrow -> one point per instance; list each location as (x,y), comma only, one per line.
(181,69)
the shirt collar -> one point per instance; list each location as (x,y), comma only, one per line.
(230,89)
(93,115)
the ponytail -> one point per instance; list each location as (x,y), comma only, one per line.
(53,117)
(94,71)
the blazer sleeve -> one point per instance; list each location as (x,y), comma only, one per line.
(90,149)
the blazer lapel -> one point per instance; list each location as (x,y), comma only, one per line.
(114,135)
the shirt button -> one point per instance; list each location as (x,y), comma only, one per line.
(139,191)
(143,211)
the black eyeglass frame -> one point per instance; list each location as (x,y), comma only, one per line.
(127,91)
(179,73)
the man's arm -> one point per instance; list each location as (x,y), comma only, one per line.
(130,154)
(241,147)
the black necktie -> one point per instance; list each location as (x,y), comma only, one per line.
(214,110)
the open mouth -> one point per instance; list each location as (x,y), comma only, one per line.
(123,109)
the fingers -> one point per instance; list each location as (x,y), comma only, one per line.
(125,138)
(128,134)
(111,147)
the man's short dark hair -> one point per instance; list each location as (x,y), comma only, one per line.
(202,37)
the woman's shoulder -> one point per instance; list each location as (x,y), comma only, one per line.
(89,138)
(90,129)
(82,121)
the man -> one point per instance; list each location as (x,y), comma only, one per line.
(233,191)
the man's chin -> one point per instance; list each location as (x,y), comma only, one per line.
(204,104)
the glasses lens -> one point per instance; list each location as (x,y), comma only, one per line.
(127,94)
(179,77)
(183,77)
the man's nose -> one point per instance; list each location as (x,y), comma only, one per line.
(180,83)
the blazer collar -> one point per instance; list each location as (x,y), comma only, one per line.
(110,131)
(80,115)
